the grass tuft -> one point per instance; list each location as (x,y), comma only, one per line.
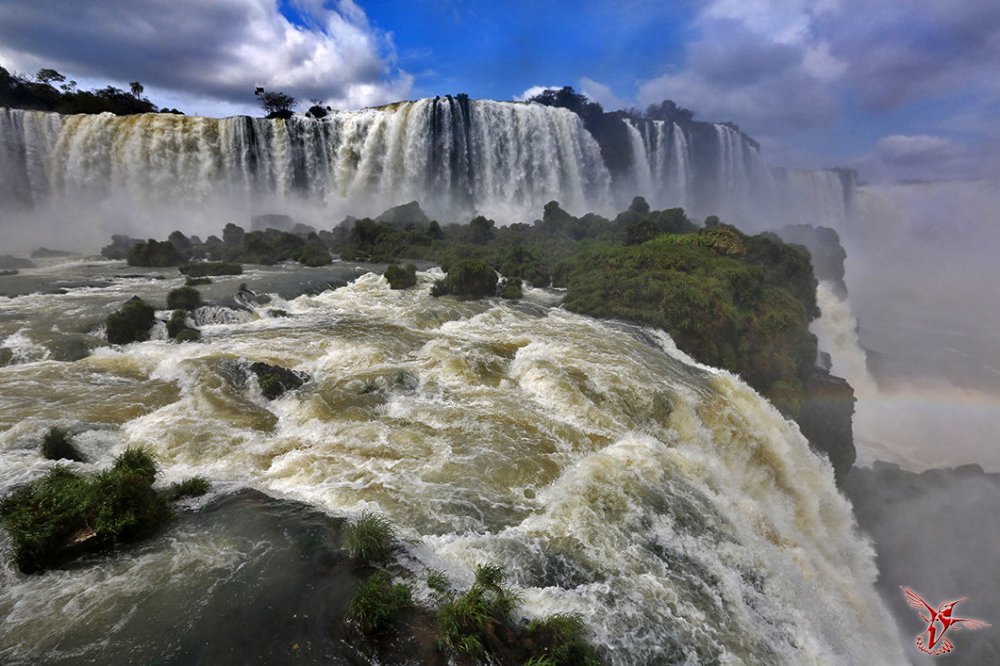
(462,620)
(194,486)
(64,514)
(371,538)
(57,446)
(376,600)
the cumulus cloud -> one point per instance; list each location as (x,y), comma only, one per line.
(533,91)
(601,94)
(216,50)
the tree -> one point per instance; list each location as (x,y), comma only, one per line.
(275,102)
(49,76)
(136,89)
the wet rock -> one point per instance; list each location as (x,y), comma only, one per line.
(825,419)
(8,261)
(69,348)
(274,380)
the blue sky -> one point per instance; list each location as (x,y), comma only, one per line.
(896,88)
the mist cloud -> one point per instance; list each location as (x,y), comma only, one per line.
(218,50)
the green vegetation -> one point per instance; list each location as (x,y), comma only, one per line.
(131,323)
(731,300)
(510,289)
(194,486)
(401,277)
(154,254)
(64,514)
(275,104)
(563,638)
(462,620)
(467,277)
(184,298)
(56,445)
(200,269)
(42,94)
(371,538)
(376,600)
(734,301)
(188,335)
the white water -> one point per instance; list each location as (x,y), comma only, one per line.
(504,160)
(666,502)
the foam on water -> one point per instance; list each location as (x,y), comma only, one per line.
(665,501)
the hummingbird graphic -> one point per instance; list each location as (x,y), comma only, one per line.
(931,640)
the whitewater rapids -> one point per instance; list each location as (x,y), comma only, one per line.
(609,474)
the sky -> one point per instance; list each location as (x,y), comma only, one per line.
(898,89)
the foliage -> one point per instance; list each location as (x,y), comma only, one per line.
(184,298)
(40,94)
(154,254)
(194,486)
(65,514)
(206,268)
(462,619)
(741,303)
(468,277)
(371,538)
(563,638)
(119,247)
(376,600)
(188,335)
(275,103)
(56,445)
(131,323)
(314,253)
(510,289)
(401,277)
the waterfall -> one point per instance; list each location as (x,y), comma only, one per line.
(495,158)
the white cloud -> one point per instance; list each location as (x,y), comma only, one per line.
(214,52)
(920,149)
(533,91)
(601,94)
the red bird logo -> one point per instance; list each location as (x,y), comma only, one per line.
(931,640)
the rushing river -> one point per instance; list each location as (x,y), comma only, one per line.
(610,474)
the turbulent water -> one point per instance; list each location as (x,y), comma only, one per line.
(612,476)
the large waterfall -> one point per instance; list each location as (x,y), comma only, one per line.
(454,155)
(458,157)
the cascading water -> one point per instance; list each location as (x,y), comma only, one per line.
(612,476)
(500,159)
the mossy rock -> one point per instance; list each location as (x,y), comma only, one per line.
(131,323)
(184,298)
(469,278)
(401,277)
(511,289)
(57,445)
(188,335)
(65,515)
(275,380)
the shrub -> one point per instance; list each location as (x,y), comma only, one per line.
(376,600)
(155,254)
(64,515)
(563,638)
(314,253)
(510,289)
(195,281)
(188,335)
(371,538)
(462,620)
(205,268)
(131,323)
(194,486)
(57,446)
(401,278)
(468,277)
(184,298)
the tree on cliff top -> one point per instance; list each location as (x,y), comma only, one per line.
(275,103)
